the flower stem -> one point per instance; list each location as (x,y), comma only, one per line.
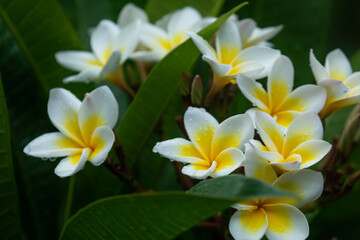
(69,198)
(217,83)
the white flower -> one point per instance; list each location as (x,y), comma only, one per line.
(85,130)
(251,35)
(168,33)
(278,218)
(230,58)
(111,47)
(214,149)
(280,101)
(342,85)
(131,13)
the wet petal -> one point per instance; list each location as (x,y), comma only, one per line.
(101,143)
(200,126)
(227,161)
(335,89)
(99,108)
(52,145)
(305,183)
(180,150)
(199,171)
(285,222)
(72,164)
(248,225)
(286,117)
(233,132)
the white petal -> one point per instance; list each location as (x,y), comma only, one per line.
(347,101)
(335,89)
(153,37)
(182,20)
(104,39)
(200,126)
(306,98)
(285,222)
(128,39)
(292,163)
(99,108)
(258,167)
(91,74)
(280,81)
(101,143)
(233,132)
(311,151)
(130,13)
(203,46)
(228,42)
(180,150)
(269,131)
(305,183)
(227,161)
(76,60)
(305,127)
(246,27)
(253,91)
(353,80)
(63,108)
(248,225)
(319,71)
(204,22)
(251,69)
(219,68)
(52,145)
(338,65)
(264,55)
(111,67)
(72,164)
(264,34)
(198,171)
(148,56)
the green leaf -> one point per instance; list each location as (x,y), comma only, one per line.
(156,92)
(41,28)
(162,215)
(158,8)
(9,205)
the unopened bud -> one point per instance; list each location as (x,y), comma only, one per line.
(349,134)
(184,85)
(196,91)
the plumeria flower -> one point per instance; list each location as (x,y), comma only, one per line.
(230,58)
(85,130)
(214,149)
(300,147)
(342,85)
(278,218)
(252,35)
(280,101)
(111,47)
(131,13)
(168,33)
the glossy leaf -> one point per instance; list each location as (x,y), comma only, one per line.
(156,92)
(9,204)
(162,215)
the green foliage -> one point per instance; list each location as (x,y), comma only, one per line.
(162,215)
(10,221)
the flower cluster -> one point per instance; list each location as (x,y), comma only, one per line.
(274,142)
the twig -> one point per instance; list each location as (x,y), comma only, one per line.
(184,180)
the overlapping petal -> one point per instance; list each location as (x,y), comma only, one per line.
(101,143)
(90,74)
(338,65)
(199,171)
(72,164)
(253,91)
(311,151)
(227,161)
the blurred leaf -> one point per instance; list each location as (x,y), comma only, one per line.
(9,214)
(156,92)
(41,28)
(161,215)
(158,8)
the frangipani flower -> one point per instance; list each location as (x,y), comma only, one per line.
(85,130)
(230,58)
(342,85)
(168,33)
(280,101)
(214,149)
(300,147)
(278,218)
(251,35)
(111,47)
(131,13)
